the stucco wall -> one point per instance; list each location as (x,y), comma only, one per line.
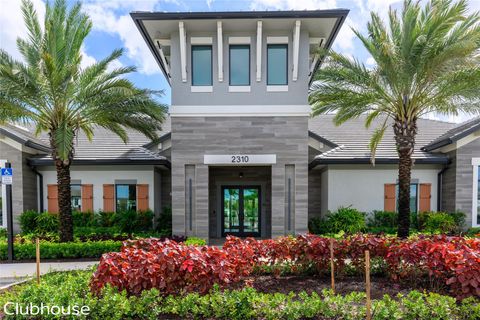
(362,186)
(100,175)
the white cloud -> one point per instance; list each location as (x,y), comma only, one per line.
(370,61)
(293,4)
(105,19)
(12,26)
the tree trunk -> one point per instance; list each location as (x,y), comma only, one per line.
(64,201)
(405,133)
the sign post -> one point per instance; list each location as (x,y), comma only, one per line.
(7,179)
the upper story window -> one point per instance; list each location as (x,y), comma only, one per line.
(126,197)
(202,65)
(277,61)
(239,65)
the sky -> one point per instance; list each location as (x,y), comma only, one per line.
(114,28)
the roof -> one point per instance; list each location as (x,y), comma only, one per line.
(454,134)
(105,148)
(25,137)
(352,140)
(139,17)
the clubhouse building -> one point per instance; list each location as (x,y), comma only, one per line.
(239,152)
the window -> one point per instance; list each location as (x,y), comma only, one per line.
(126,195)
(202,65)
(413,197)
(76,196)
(277,64)
(239,65)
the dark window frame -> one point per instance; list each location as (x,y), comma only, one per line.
(286,61)
(116,194)
(230,64)
(211,64)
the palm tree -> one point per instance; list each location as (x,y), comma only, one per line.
(426,61)
(50,90)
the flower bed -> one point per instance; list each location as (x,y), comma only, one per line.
(176,268)
(71,288)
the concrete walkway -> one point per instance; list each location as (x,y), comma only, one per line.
(22,270)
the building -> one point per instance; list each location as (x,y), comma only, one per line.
(239,153)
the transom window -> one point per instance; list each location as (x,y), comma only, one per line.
(76,196)
(413,197)
(239,65)
(277,64)
(202,65)
(126,197)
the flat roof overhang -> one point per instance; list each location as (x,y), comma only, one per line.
(154,25)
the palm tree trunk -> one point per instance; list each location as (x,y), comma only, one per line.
(64,201)
(405,133)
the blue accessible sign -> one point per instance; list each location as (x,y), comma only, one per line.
(7,175)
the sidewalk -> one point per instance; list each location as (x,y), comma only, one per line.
(22,270)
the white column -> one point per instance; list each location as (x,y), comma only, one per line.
(259,51)
(183,51)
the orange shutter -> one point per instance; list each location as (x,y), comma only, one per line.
(52,198)
(425,196)
(389,203)
(108,198)
(142,197)
(87,197)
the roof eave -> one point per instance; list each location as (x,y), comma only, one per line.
(315,162)
(25,142)
(48,162)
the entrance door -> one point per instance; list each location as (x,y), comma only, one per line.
(241,211)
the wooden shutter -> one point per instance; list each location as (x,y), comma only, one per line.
(109,198)
(87,197)
(142,197)
(425,195)
(52,197)
(390,202)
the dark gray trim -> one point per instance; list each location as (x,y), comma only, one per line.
(163,138)
(332,13)
(449,140)
(48,162)
(440,188)
(40,187)
(27,143)
(139,16)
(322,139)
(316,162)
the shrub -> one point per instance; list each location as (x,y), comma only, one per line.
(317,226)
(105,219)
(382,222)
(28,221)
(243,304)
(83,219)
(437,222)
(46,223)
(346,219)
(164,222)
(170,267)
(473,232)
(3,233)
(52,250)
(193,241)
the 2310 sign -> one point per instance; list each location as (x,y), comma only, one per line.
(240,159)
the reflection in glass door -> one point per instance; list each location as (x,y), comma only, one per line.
(241,211)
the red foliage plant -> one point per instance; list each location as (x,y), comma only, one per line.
(174,268)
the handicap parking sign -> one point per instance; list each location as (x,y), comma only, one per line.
(7,175)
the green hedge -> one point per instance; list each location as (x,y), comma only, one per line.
(52,250)
(71,288)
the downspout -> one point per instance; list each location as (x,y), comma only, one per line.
(439,187)
(40,188)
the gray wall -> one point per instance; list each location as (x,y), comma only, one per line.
(449,182)
(297,90)
(193,137)
(24,187)
(314,193)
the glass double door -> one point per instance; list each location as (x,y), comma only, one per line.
(241,211)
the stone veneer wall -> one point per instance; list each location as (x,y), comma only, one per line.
(193,137)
